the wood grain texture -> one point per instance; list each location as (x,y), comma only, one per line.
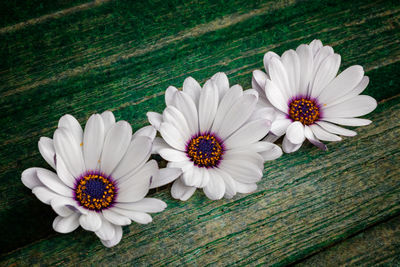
(122,57)
(377,246)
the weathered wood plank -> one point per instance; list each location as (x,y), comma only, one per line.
(121,57)
(377,246)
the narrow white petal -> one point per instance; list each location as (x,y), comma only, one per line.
(271,154)
(115,218)
(72,125)
(249,133)
(192,88)
(180,191)
(93,140)
(184,103)
(279,77)
(149,205)
(320,56)
(245,155)
(229,99)
(146,131)
(215,188)
(332,128)
(267,113)
(183,165)
(230,184)
(90,221)
(66,225)
(46,149)
(289,147)
(279,127)
(242,171)
(165,176)
(324,135)
(208,105)
(245,188)
(222,83)
(192,176)
(155,119)
(354,107)
(172,136)
(258,82)
(171,154)
(344,83)
(69,149)
(115,145)
(173,116)
(53,182)
(315,45)
(108,120)
(169,95)
(138,153)
(30,179)
(307,64)
(137,216)
(64,174)
(64,206)
(205,177)
(291,62)
(107,230)
(267,60)
(44,194)
(116,238)
(325,74)
(355,92)
(295,133)
(348,121)
(275,96)
(158,144)
(313,140)
(239,113)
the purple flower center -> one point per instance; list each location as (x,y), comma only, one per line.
(205,150)
(304,110)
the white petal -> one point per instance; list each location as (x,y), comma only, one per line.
(173,116)
(115,218)
(184,103)
(29,178)
(267,60)
(332,128)
(150,205)
(245,188)
(279,77)
(355,107)
(258,82)
(108,120)
(279,127)
(90,221)
(193,176)
(181,191)
(248,134)
(242,171)
(44,194)
(155,119)
(172,136)
(271,154)
(53,182)
(93,139)
(323,135)
(115,145)
(267,113)
(169,95)
(205,177)
(64,174)
(244,154)
(135,157)
(289,147)
(230,184)
(222,83)
(325,74)
(66,224)
(355,92)
(275,96)
(349,121)
(183,165)
(237,115)
(63,206)
(192,88)
(229,99)
(135,187)
(107,230)
(171,154)
(306,62)
(46,149)
(315,45)
(165,176)
(291,62)
(70,150)
(295,133)
(320,56)
(137,216)
(158,144)
(215,188)
(146,131)
(313,140)
(208,104)
(116,238)
(342,84)
(72,125)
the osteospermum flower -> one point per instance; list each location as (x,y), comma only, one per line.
(308,96)
(212,134)
(101,177)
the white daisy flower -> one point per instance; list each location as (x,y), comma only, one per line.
(101,177)
(213,134)
(308,96)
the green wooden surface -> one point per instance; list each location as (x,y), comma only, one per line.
(121,56)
